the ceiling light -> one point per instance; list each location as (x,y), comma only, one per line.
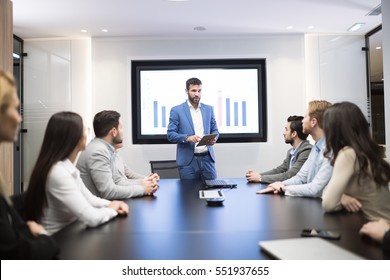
(199,28)
(289,27)
(356,26)
(104,30)
(83,30)
(335,39)
(376,11)
(310,27)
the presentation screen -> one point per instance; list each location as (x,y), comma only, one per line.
(235,88)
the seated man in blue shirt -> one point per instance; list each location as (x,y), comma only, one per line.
(317,171)
(296,156)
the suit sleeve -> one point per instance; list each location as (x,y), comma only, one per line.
(283,172)
(130,174)
(102,176)
(173,134)
(276,174)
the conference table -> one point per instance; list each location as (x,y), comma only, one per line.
(175,224)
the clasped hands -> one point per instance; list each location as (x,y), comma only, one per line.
(252,176)
(150,183)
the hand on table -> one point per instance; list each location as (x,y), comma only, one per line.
(376,229)
(119,206)
(275,188)
(350,203)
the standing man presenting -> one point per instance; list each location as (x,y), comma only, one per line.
(188,123)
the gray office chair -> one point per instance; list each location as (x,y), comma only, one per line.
(167,169)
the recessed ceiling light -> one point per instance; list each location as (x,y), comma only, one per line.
(83,30)
(356,26)
(199,28)
(376,11)
(104,30)
(310,27)
(289,27)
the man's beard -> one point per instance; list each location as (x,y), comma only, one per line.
(192,100)
(117,140)
(289,141)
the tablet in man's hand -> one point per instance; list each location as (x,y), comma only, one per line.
(206,139)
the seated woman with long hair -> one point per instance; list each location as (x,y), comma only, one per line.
(18,239)
(56,195)
(361,175)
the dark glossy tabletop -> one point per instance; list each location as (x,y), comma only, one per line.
(176,224)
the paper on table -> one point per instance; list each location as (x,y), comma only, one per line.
(211,194)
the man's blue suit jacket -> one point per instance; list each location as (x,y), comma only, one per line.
(180,126)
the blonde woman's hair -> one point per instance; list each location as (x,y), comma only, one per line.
(7,89)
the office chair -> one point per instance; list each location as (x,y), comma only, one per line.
(165,168)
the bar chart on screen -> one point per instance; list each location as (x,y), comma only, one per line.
(235,104)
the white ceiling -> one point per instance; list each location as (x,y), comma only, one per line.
(163,18)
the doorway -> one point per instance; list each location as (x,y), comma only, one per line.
(18,75)
(375,84)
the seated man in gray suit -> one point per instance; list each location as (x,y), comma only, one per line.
(97,162)
(296,156)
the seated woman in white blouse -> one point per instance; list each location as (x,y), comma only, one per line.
(56,195)
(360,176)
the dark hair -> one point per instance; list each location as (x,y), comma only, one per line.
(345,125)
(63,133)
(104,121)
(193,81)
(296,125)
(317,109)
